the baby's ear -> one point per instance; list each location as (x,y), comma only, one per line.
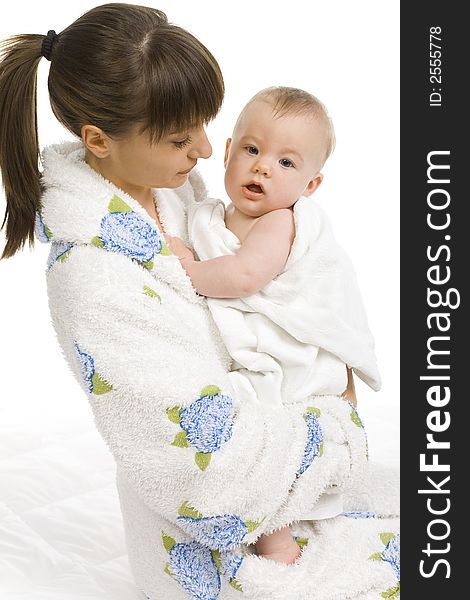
(227,148)
(313,184)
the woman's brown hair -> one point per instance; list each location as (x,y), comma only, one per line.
(117,66)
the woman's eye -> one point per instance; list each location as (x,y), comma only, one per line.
(285,162)
(183,143)
(252,149)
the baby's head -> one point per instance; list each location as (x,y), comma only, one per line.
(280,142)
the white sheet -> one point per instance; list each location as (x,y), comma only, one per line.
(61,534)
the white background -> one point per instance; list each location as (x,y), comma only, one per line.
(346,53)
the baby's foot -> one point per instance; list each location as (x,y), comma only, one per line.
(287,555)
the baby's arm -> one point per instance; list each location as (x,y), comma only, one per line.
(261,257)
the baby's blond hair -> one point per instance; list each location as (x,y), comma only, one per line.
(290,100)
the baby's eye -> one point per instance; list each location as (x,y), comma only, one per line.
(252,149)
(285,162)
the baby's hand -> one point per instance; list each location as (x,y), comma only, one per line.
(178,248)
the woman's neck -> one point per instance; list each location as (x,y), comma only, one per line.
(144,196)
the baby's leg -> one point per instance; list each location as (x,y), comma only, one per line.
(279,546)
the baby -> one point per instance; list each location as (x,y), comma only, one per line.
(280,143)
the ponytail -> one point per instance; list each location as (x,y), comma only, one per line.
(19,147)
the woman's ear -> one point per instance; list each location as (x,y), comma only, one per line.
(95,140)
(313,185)
(227,149)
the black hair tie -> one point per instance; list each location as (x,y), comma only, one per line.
(48,43)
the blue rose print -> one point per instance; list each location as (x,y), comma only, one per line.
(229,564)
(208,422)
(93,380)
(314,445)
(391,554)
(88,367)
(130,234)
(356,419)
(192,565)
(220,531)
(40,229)
(359,514)
(58,252)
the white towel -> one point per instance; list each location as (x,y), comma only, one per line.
(292,339)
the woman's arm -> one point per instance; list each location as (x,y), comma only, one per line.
(261,257)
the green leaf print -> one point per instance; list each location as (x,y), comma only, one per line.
(168,542)
(314,410)
(151,293)
(167,570)
(100,386)
(217,560)
(185,510)
(375,556)
(391,593)
(252,525)
(210,390)
(165,251)
(355,418)
(97,241)
(386,537)
(63,257)
(118,205)
(235,584)
(174,414)
(181,440)
(203,459)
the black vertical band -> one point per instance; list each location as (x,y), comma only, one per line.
(435,259)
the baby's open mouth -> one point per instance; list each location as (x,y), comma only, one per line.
(253,187)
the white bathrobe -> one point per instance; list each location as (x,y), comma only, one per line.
(201,473)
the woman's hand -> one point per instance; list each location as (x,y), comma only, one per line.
(178,248)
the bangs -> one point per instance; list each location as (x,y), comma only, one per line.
(184,84)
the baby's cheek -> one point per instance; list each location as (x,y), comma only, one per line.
(230,180)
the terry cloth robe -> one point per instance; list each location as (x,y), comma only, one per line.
(201,473)
(292,339)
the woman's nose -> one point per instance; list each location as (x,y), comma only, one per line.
(201,147)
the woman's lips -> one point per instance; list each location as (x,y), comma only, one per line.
(187,171)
